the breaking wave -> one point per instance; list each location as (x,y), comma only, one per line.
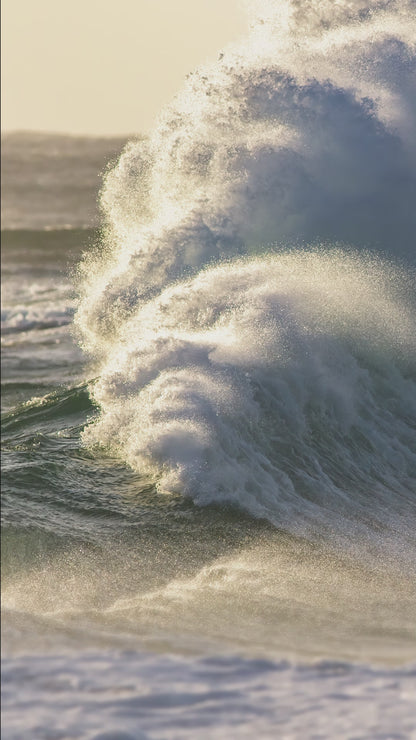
(251,306)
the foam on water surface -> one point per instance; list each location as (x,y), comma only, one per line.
(212,698)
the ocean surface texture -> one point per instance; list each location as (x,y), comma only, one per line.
(209,400)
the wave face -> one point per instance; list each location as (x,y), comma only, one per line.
(252,308)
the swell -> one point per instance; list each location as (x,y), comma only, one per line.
(41,412)
(47,243)
(55,492)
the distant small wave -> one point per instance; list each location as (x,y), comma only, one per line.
(22,320)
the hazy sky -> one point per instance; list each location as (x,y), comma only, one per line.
(104,66)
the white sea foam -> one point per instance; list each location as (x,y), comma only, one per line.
(284,381)
(135,696)
(276,383)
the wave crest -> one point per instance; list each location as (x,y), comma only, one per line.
(233,369)
(282,384)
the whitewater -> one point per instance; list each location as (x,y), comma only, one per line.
(250,312)
(209,400)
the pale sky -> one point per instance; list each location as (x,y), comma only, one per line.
(105,66)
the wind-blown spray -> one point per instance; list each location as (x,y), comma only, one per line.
(254,332)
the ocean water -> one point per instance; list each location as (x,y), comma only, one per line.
(209,400)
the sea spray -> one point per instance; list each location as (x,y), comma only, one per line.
(249,315)
(250,348)
(278,383)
